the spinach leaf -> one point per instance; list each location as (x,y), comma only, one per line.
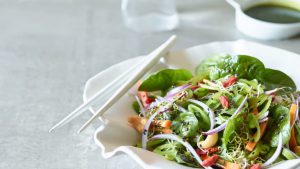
(164,79)
(188,124)
(232,127)
(168,150)
(280,122)
(242,65)
(297,131)
(260,149)
(246,67)
(274,79)
(252,121)
(176,152)
(201,115)
(204,69)
(186,158)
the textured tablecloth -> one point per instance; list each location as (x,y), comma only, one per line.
(49,48)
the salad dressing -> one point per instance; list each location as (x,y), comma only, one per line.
(274,13)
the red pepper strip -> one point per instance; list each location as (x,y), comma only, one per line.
(210,161)
(230,81)
(224,101)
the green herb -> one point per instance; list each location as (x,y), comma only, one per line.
(164,79)
(280,122)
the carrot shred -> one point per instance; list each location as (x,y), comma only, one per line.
(297,150)
(251,144)
(292,113)
(293,142)
(166,123)
(228,165)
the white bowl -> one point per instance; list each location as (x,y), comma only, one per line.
(116,136)
(260,29)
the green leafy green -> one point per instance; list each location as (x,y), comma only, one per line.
(275,79)
(279,122)
(246,67)
(164,79)
(297,131)
(176,152)
(288,154)
(168,150)
(201,92)
(204,69)
(232,127)
(189,124)
(260,149)
(254,124)
(201,115)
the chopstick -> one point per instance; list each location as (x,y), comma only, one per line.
(149,61)
(85,106)
(125,80)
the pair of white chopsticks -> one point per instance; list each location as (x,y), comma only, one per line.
(118,87)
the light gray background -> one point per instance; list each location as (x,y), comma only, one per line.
(49,48)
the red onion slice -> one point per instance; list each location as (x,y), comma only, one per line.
(181,108)
(210,112)
(222,126)
(297,110)
(146,128)
(149,121)
(270,92)
(264,116)
(263,120)
(180,140)
(176,90)
(276,153)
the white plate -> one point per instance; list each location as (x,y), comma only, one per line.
(116,136)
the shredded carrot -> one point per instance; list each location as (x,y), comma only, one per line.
(166,123)
(297,150)
(228,164)
(292,113)
(251,144)
(166,131)
(293,142)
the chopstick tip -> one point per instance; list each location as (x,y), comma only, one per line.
(51,130)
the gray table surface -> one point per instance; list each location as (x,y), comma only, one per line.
(49,48)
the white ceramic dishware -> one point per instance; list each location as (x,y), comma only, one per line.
(261,29)
(116,136)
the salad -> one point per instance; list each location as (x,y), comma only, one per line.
(233,113)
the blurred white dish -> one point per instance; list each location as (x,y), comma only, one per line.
(261,29)
(117,136)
